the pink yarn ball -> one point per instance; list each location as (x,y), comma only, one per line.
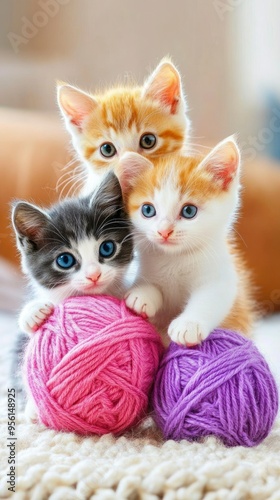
(90,367)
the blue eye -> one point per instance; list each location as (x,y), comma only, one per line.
(66,260)
(107,249)
(108,149)
(189,211)
(148,210)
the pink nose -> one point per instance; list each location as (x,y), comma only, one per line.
(165,233)
(94,277)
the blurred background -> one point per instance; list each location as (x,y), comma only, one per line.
(228,54)
(227,51)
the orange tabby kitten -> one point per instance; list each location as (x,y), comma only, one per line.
(191,277)
(150,120)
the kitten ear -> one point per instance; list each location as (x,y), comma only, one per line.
(74,104)
(109,193)
(164,85)
(223,162)
(129,168)
(29,222)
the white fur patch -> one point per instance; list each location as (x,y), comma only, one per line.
(192,269)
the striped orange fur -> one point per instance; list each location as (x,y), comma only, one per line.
(121,116)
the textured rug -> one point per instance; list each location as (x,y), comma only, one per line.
(138,465)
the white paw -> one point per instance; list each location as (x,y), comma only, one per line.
(185,332)
(30,412)
(33,315)
(145,300)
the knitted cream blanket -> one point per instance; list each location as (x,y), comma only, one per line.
(136,466)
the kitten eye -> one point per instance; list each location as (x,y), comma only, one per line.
(107,249)
(148,141)
(148,210)
(189,211)
(108,149)
(66,261)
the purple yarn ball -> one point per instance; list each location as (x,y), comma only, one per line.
(222,387)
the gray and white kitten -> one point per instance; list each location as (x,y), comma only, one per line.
(80,246)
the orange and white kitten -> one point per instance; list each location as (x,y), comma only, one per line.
(150,120)
(190,276)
